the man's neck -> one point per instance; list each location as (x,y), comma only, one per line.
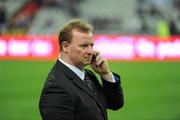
(68,61)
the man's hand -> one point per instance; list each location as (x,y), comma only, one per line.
(100,65)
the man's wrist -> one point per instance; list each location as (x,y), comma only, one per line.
(108,76)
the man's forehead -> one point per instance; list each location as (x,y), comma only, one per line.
(82,33)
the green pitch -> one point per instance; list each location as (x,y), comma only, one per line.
(151,90)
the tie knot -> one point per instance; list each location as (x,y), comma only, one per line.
(86,77)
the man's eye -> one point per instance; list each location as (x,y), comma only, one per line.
(92,45)
(85,45)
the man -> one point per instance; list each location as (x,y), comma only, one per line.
(72,92)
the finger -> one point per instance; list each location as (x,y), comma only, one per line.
(100,61)
(96,53)
(98,57)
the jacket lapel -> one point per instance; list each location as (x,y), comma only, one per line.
(79,83)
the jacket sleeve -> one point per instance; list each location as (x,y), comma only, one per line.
(56,104)
(113,93)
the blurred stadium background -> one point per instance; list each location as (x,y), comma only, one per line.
(151,86)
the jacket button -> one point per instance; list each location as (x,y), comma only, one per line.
(95,94)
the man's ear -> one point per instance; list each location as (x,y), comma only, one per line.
(65,46)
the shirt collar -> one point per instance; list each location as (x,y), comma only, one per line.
(77,71)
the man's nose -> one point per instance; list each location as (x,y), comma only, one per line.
(90,50)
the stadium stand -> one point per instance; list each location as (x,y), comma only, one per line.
(52,18)
(12,6)
(107,16)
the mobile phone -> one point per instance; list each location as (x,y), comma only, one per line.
(93,58)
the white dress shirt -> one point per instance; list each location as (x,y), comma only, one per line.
(76,70)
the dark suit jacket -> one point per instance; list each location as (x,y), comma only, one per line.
(66,97)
